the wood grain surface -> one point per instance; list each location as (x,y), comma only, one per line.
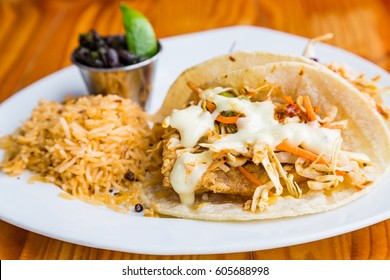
(37,37)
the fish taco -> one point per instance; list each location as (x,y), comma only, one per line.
(279,140)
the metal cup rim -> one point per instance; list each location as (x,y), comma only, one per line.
(122,68)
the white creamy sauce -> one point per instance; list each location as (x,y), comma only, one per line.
(192,123)
(257,127)
(172,143)
(186,173)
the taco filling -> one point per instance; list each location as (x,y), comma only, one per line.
(370,88)
(227,142)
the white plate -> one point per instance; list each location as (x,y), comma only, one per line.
(38,207)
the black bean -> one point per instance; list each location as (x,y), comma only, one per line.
(116,41)
(103,55)
(81,55)
(90,39)
(122,41)
(110,40)
(138,208)
(98,63)
(95,36)
(89,61)
(93,40)
(101,44)
(95,60)
(127,57)
(94,55)
(130,176)
(83,40)
(113,58)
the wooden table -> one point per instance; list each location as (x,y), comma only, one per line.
(37,37)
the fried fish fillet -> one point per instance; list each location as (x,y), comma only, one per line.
(217,181)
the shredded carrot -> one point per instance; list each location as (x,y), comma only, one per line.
(317,109)
(288,100)
(220,154)
(299,152)
(194,88)
(340,173)
(227,120)
(382,111)
(210,106)
(249,176)
(309,109)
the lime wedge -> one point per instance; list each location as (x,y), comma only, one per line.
(140,36)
